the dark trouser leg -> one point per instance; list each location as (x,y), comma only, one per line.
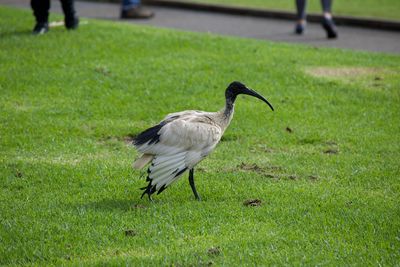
(326,6)
(41,10)
(327,22)
(191,181)
(69,13)
(301,9)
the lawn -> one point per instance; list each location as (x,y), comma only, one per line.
(324,164)
(385,9)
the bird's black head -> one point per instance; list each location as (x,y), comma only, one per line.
(237,88)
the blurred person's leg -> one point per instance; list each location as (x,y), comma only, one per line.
(71,20)
(132,9)
(326,8)
(301,9)
(327,22)
(128,4)
(41,12)
(301,16)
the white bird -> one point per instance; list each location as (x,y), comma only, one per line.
(181,140)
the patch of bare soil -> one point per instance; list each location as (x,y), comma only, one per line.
(252,202)
(214,251)
(368,78)
(268,171)
(229,138)
(289,130)
(255,168)
(275,172)
(138,206)
(250,167)
(331,151)
(338,72)
(130,232)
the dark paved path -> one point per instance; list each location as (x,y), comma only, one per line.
(250,27)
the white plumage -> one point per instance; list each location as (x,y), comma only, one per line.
(181,140)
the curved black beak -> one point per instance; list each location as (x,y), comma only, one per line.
(251,92)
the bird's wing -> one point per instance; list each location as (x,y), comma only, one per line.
(182,130)
(177,145)
(183,114)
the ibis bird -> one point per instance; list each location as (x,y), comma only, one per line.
(181,140)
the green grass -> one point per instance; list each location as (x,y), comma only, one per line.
(68,193)
(386,9)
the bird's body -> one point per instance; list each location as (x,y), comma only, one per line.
(180,141)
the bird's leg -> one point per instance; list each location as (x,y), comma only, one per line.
(192,185)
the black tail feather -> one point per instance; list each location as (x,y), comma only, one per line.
(180,172)
(150,135)
(149,190)
(161,189)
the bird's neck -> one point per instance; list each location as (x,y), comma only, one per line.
(225,115)
(229,108)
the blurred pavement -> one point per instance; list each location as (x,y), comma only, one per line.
(245,26)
